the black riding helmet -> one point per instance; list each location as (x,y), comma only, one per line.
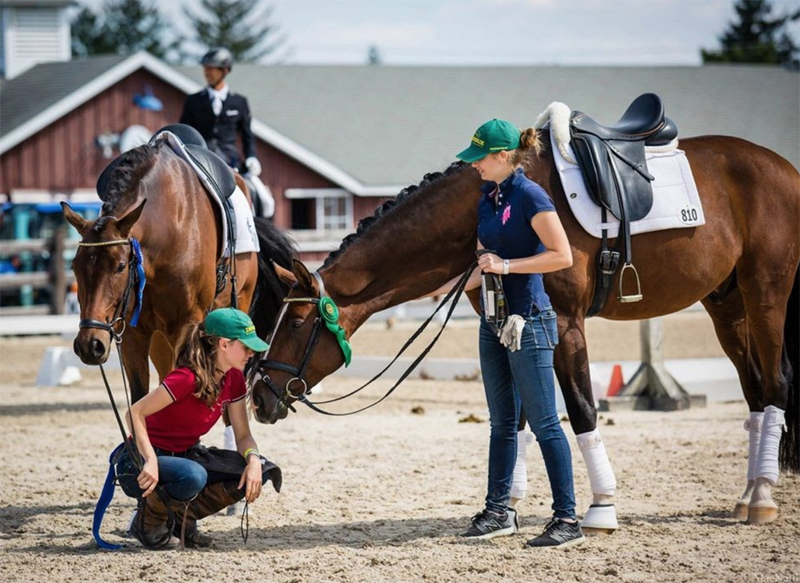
(220,57)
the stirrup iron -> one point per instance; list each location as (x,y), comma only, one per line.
(623,299)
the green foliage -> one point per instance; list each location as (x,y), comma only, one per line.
(241,26)
(757,37)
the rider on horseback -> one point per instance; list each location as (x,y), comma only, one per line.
(220,116)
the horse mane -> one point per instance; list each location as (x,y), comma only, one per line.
(276,248)
(389,207)
(121,177)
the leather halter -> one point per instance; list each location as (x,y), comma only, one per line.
(134,280)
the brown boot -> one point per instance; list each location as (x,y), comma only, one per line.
(150,525)
(210,500)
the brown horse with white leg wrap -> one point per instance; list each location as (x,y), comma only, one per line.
(742,265)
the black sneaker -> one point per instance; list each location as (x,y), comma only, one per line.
(488,524)
(559,533)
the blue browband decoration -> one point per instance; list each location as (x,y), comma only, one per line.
(138,264)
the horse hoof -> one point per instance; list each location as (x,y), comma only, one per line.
(600,519)
(761,514)
(740,511)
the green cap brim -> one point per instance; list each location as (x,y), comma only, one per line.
(472,154)
(254,343)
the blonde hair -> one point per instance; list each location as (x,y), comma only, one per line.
(198,352)
(528,140)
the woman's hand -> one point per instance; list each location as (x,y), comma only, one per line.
(251,479)
(148,477)
(490,263)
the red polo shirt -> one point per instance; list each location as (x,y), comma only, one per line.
(180,425)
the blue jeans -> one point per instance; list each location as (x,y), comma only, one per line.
(525,376)
(182,479)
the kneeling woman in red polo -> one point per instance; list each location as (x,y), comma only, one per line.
(167,425)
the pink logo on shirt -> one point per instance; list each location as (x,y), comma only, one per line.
(506,214)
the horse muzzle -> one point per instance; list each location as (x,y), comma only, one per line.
(92,346)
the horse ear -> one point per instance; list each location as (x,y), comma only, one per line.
(74,219)
(303,275)
(125,224)
(284,275)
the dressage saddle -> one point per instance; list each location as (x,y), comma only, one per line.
(612,162)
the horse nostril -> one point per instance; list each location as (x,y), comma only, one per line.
(98,349)
(257,402)
(76,347)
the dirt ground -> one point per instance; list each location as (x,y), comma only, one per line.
(380,496)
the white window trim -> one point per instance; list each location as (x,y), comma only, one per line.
(294,193)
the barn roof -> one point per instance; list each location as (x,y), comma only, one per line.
(372,129)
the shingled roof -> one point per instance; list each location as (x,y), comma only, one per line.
(386,125)
(374,129)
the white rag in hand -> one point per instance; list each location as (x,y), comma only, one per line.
(511,334)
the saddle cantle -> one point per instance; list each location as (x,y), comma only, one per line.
(613,165)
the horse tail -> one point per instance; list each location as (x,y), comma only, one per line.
(279,248)
(790,444)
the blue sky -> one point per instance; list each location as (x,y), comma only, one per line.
(486,32)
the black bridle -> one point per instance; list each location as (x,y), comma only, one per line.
(134,279)
(287,397)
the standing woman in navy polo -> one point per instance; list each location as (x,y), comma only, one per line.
(518,222)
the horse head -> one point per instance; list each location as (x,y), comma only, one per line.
(102,268)
(306,346)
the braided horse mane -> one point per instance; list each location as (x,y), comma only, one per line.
(391,206)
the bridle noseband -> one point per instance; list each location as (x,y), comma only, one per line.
(136,283)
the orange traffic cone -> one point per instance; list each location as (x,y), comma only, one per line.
(616,383)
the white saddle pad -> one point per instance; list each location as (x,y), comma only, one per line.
(676,203)
(246,236)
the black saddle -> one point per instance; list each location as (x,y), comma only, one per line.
(612,162)
(216,170)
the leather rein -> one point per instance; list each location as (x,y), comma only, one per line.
(287,396)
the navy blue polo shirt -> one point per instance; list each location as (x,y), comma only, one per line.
(504,226)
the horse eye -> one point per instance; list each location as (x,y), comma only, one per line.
(121,267)
(298,323)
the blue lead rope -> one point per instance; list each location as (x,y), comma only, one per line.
(140,279)
(102,504)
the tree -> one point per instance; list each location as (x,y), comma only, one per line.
(123,27)
(757,37)
(238,26)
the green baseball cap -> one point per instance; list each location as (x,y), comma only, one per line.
(493,136)
(235,325)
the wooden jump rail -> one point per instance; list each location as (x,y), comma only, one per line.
(57,278)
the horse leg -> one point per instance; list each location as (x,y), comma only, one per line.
(163,354)
(730,324)
(519,481)
(135,346)
(572,369)
(765,297)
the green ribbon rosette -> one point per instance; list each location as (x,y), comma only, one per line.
(330,315)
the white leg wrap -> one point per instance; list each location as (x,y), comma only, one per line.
(772,424)
(753,426)
(519,485)
(230,438)
(601,476)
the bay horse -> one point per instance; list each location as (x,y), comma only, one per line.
(152,195)
(742,265)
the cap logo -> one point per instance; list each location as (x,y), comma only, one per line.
(249,329)
(477,141)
